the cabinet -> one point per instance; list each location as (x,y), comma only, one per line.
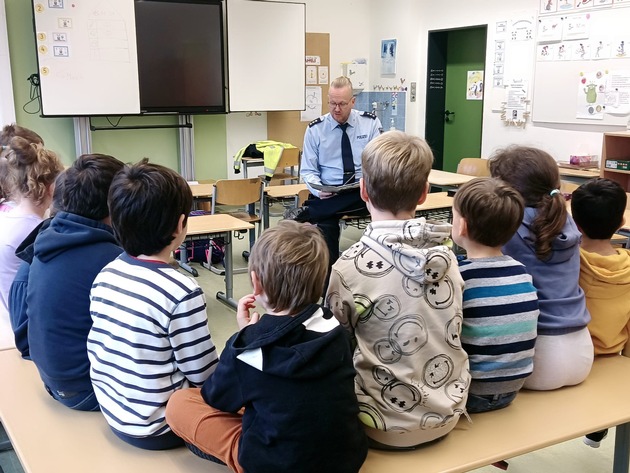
(616,147)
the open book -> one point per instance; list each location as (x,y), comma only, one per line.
(336,189)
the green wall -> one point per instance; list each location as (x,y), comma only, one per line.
(160,145)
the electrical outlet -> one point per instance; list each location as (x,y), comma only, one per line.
(412,92)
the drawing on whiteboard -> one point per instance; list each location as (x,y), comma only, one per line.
(591,103)
(61,51)
(107,32)
(64,22)
(55,3)
(621,49)
(60,37)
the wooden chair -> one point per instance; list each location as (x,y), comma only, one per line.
(229,193)
(474,167)
(290,158)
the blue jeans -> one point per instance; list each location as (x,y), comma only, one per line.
(159,442)
(491,402)
(77,400)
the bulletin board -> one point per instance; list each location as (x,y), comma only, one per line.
(573,71)
(287,126)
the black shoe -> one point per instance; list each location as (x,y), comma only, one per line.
(594,439)
(299,214)
(201,454)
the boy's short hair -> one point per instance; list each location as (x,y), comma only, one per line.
(291,263)
(86,185)
(396,168)
(597,207)
(145,203)
(493,210)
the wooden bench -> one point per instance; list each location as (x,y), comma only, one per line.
(50,438)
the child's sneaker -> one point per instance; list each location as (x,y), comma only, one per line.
(594,439)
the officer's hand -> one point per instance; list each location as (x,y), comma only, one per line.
(325,195)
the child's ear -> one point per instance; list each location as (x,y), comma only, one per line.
(180,225)
(423,197)
(463,227)
(255,283)
(362,192)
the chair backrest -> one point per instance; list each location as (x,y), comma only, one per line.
(302,197)
(290,157)
(473,167)
(568,187)
(237,192)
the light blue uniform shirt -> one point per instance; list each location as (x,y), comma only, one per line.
(321,154)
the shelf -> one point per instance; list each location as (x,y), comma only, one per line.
(616,147)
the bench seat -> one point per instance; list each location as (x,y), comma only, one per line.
(49,438)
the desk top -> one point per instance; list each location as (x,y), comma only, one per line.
(202,190)
(572,172)
(288,190)
(436,200)
(217,223)
(536,419)
(445,178)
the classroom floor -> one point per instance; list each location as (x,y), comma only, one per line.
(569,457)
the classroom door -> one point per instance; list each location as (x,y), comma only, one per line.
(454,109)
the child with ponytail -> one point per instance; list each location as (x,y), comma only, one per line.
(548,243)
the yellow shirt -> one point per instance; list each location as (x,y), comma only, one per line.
(606,284)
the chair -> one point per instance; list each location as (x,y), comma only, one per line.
(474,167)
(290,158)
(240,192)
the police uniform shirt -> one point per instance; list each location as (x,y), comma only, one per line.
(321,155)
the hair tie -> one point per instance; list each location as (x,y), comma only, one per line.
(554,192)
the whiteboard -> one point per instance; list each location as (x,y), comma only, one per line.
(266,54)
(558,84)
(7,106)
(87,58)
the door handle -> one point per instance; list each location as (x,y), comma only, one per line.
(447,115)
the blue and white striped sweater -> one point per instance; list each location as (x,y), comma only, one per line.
(149,338)
(500,318)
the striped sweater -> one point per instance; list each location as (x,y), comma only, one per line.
(149,338)
(500,317)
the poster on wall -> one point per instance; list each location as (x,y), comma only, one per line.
(474,85)
(313,104)
(591,95)
(388,56)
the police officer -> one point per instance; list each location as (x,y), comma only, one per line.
(330,158)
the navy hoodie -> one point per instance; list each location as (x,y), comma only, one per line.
(295,378)
(68,255)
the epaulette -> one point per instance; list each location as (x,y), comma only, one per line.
(315,122)
(369,115)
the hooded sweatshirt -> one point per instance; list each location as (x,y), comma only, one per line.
(606,284)
(399,291)
(17,294)
(68,255)
(560,299)
(294,376)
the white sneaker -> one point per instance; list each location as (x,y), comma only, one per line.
(594,439)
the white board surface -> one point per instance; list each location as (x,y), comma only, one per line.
(266,54)
(557,82)
(87,59)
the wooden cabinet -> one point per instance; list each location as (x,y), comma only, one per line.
(616,147)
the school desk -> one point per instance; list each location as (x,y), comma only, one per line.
(218,225)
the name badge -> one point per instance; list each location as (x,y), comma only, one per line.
(361,137)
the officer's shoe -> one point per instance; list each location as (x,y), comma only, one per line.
(299,214)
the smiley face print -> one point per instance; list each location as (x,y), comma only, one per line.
(406,337)
(438,370)
(399,396)
(371,264)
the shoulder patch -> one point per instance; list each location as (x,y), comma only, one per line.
(315,122)
(369,115)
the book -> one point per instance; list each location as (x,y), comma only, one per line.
(336,189)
